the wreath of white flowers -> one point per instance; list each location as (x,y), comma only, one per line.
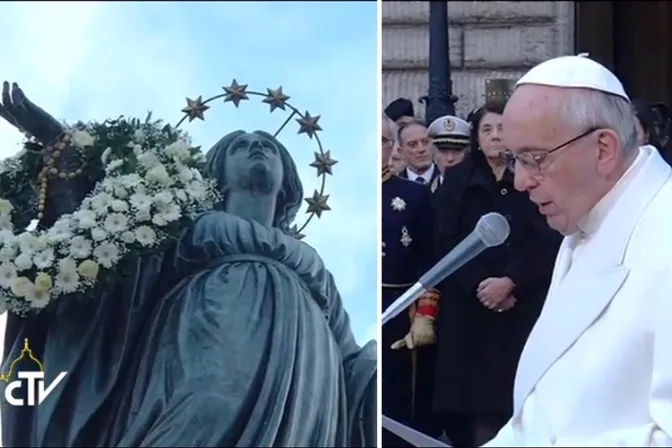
(149,188)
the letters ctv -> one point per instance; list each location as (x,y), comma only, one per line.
(27,387)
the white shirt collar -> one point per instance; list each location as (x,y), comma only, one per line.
(426,175)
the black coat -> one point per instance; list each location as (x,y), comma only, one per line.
(478,349)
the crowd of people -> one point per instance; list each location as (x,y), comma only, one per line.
(449,364)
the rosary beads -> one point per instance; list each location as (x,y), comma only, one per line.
(52,153)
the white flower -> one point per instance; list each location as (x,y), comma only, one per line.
(6,236)
(100,203)
(139,136)
(83,139)
(67,281)
(181,196)
(80,247)
(44,241)
(140,200)
(60,231)
(167,213)
(143,214)
(28,242)
(6,222)
(141,187)
(20,286)
(164,198)
(6,207)
(196,190)
(148,160)
(198,157)
(98,234)
(44,259)
(85,219)
(178,150)
(115,223)
(37,298)
(159,175)
(185,174)
(128,237)
(119,206)
(88,269)
(7,274)
(120,192)
(145,235)
(24,261)
(7,253)
(130,180)
(106,254)
(67,265)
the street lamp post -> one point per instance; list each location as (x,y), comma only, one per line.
(440,100)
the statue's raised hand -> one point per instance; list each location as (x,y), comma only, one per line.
(23,114)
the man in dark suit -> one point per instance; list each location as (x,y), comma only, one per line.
(416,147)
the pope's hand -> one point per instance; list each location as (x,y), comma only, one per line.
(422,333)
(494,290)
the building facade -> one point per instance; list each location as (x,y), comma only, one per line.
(504,39)
(487,40)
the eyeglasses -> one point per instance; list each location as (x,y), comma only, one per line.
(532,161)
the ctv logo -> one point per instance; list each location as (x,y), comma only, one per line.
(35,390)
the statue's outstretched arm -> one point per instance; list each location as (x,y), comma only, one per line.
(63,194)
(26,116)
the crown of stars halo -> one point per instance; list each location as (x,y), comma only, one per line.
(236,93)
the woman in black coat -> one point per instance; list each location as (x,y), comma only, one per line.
(488,306)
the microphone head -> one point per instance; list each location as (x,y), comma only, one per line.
(493,229)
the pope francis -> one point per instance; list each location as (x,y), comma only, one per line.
(597,367)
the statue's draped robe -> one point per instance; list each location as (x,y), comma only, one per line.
(237,338)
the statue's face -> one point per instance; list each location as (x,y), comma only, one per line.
(253,164)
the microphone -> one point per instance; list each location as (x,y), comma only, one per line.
(491,230)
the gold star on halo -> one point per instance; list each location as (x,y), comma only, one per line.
(295,232)
(308,124)
(323,163)
(195,109)
(318,203)
(276,99)
(235,93)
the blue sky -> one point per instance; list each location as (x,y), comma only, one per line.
(96,60)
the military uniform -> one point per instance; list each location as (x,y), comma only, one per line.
(407,254)
(448,133)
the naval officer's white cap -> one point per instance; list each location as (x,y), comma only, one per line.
(574,72)
(450,131)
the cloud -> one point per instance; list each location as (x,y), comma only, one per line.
(94,60)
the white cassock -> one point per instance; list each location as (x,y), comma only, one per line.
(597,367)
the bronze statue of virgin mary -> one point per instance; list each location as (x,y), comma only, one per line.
(235,336)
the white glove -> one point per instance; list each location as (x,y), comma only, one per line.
(421,333)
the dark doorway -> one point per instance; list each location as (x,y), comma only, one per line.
(634,39)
